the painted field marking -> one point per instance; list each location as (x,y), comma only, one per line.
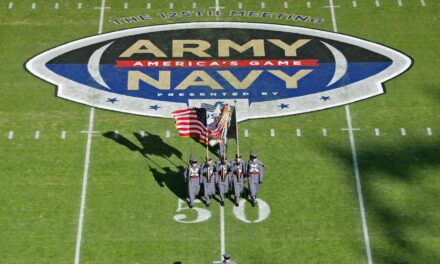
(355,4)
(37,134)
(377,131)
(167,133)
(429,131)
(263,211)
(80,5)
(422,2)
(116,134)
(377,3)
(298,132)
(272,132)
(240,5)
(286,5)
(194,5)
(87,161)
(56,6)
(399,2)
(309,5)
(142,133)
(355,162)
(11,135)
(34,5)
(90,132)
(63,134)
(350,129)
(246,133)
(324,132)
(222,232)
(125,5)
(11,5)
(403,131)
(171,5)
(263,5)
(217,6)
(148,5)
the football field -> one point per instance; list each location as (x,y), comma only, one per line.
(358,183)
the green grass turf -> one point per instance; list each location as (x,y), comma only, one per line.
(310,187)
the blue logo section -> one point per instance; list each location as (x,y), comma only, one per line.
(266,87)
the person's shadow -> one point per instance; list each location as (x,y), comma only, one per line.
(153,145)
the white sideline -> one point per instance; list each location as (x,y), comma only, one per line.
(355,162)
(87,161)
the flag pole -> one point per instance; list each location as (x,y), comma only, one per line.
(236,128)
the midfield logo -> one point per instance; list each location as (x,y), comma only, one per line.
(270,70)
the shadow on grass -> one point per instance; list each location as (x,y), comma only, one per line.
(404,218)
(152,145)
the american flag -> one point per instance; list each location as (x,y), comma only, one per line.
(191,122)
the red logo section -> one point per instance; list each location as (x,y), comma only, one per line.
(213,63)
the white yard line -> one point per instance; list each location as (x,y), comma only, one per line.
(87,161)
(355,162)
(298,132)
(272,132)
(217,5)
(222,232)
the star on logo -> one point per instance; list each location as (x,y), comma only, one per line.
(325,98)
(154,107)
(282,106)
(112,100)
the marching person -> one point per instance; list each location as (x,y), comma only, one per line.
(227,259)
(255,173)
(192,177)
(208,180)
(238,172)
(222,172)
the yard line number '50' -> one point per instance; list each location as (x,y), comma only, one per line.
(203,214)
